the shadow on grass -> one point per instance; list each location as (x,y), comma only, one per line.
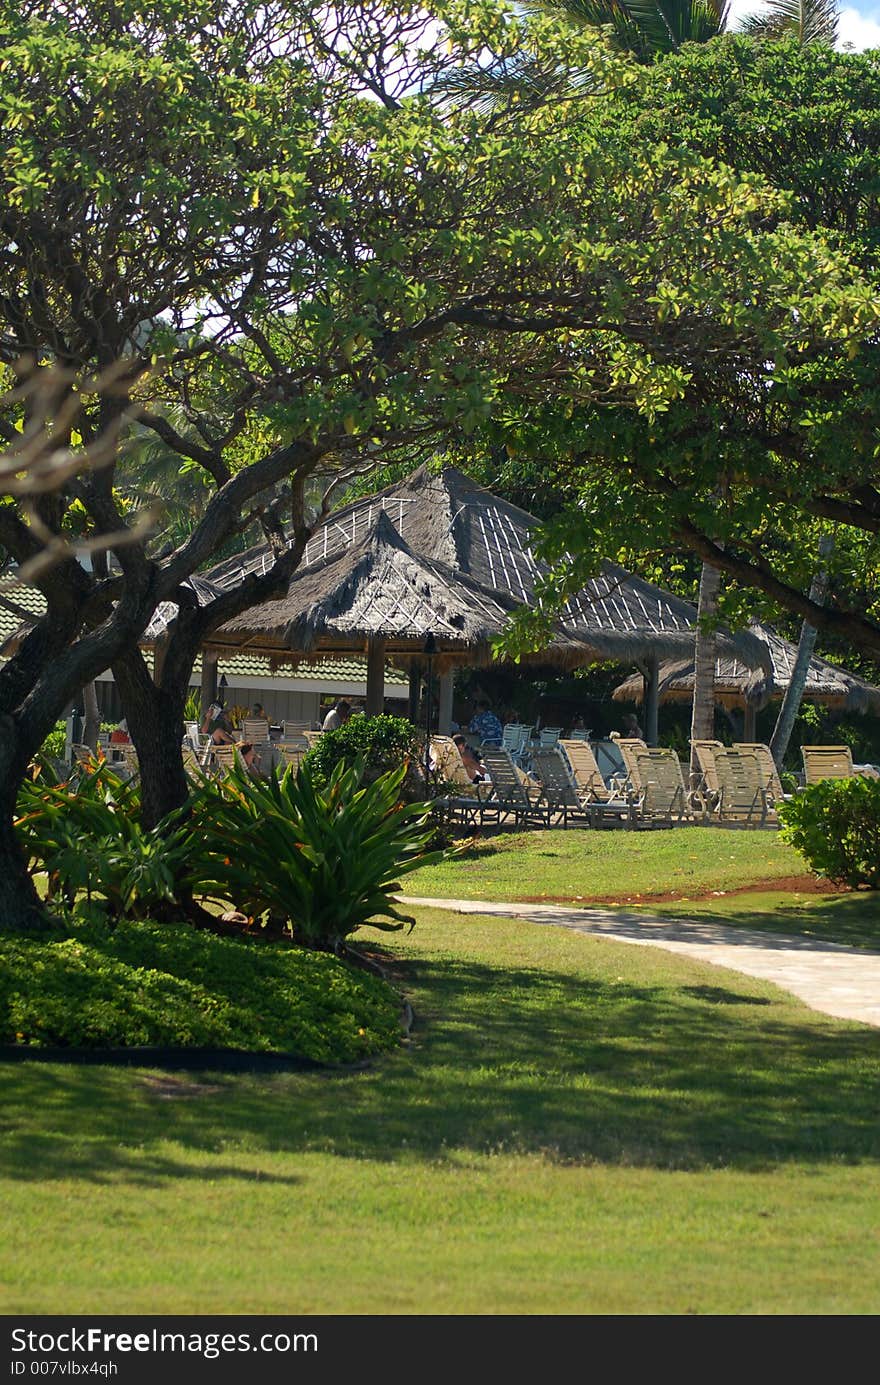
(502,1059)
(850,920)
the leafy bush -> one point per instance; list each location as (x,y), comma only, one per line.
(836,827)
(325,858)
(381,743)
(86,834)
(168,984)
(55,742)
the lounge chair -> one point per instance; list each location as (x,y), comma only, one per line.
(559,791)
(628,747)
(742,793)
(707,790)
(769,772)
(585,769)
(826,762)
(508,793)
(662,797)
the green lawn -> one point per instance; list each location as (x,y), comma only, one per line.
(850,919)
(579,864)
(578,1126)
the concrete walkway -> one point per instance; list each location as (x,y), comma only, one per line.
(839,981)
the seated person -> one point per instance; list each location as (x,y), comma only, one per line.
(337,716)
(485,724)
(218,726)
(471,761)
(258,712)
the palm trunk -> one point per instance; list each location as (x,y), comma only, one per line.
(794,693)
(703,714)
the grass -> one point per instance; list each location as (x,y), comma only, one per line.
(851,919)
(577,1126)
(579,864)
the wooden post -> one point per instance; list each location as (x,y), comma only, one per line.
(415,690)
(444,716)
(652,699)
(375,677)
(749,719)
(209,680)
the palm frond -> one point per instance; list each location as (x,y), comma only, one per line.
(809,21)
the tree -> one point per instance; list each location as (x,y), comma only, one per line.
(267,218)
(746,468)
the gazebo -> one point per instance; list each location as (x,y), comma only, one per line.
(438,559)
(749,689)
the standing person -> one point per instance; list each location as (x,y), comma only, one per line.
(337,716)
(485,724)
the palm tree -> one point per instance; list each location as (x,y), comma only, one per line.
(649,28)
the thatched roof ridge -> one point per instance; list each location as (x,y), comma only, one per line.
(378,588)
(480,538)
(736,684)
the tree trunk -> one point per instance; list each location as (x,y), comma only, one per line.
(794,693)
(703,714)
(155,723)
(92,723)
(21,909)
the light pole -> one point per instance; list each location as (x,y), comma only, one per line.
(429,650)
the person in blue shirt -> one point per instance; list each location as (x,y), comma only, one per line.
(485,724)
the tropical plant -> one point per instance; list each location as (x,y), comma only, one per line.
(835,825)
(86,834)
(325,858)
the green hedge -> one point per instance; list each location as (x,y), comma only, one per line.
(835,825)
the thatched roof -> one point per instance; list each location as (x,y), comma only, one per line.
(441,554)
(380,587)
(736,685)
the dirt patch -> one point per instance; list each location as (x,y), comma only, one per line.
(784,884)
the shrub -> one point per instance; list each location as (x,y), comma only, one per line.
(168,984)
(380,743)
(85,832)
(836,827)
(325,858)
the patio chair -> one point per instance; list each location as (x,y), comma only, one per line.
(290,730)
(559,792)
(192,765)
(662,798)
(290,753)
(223,757)
(549,735)
(769,772)
(515,738)
(742,796)
(255,730)
(826,762)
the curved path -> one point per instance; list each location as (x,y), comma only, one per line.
(840,981)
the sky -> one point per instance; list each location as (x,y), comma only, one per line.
(859,24)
